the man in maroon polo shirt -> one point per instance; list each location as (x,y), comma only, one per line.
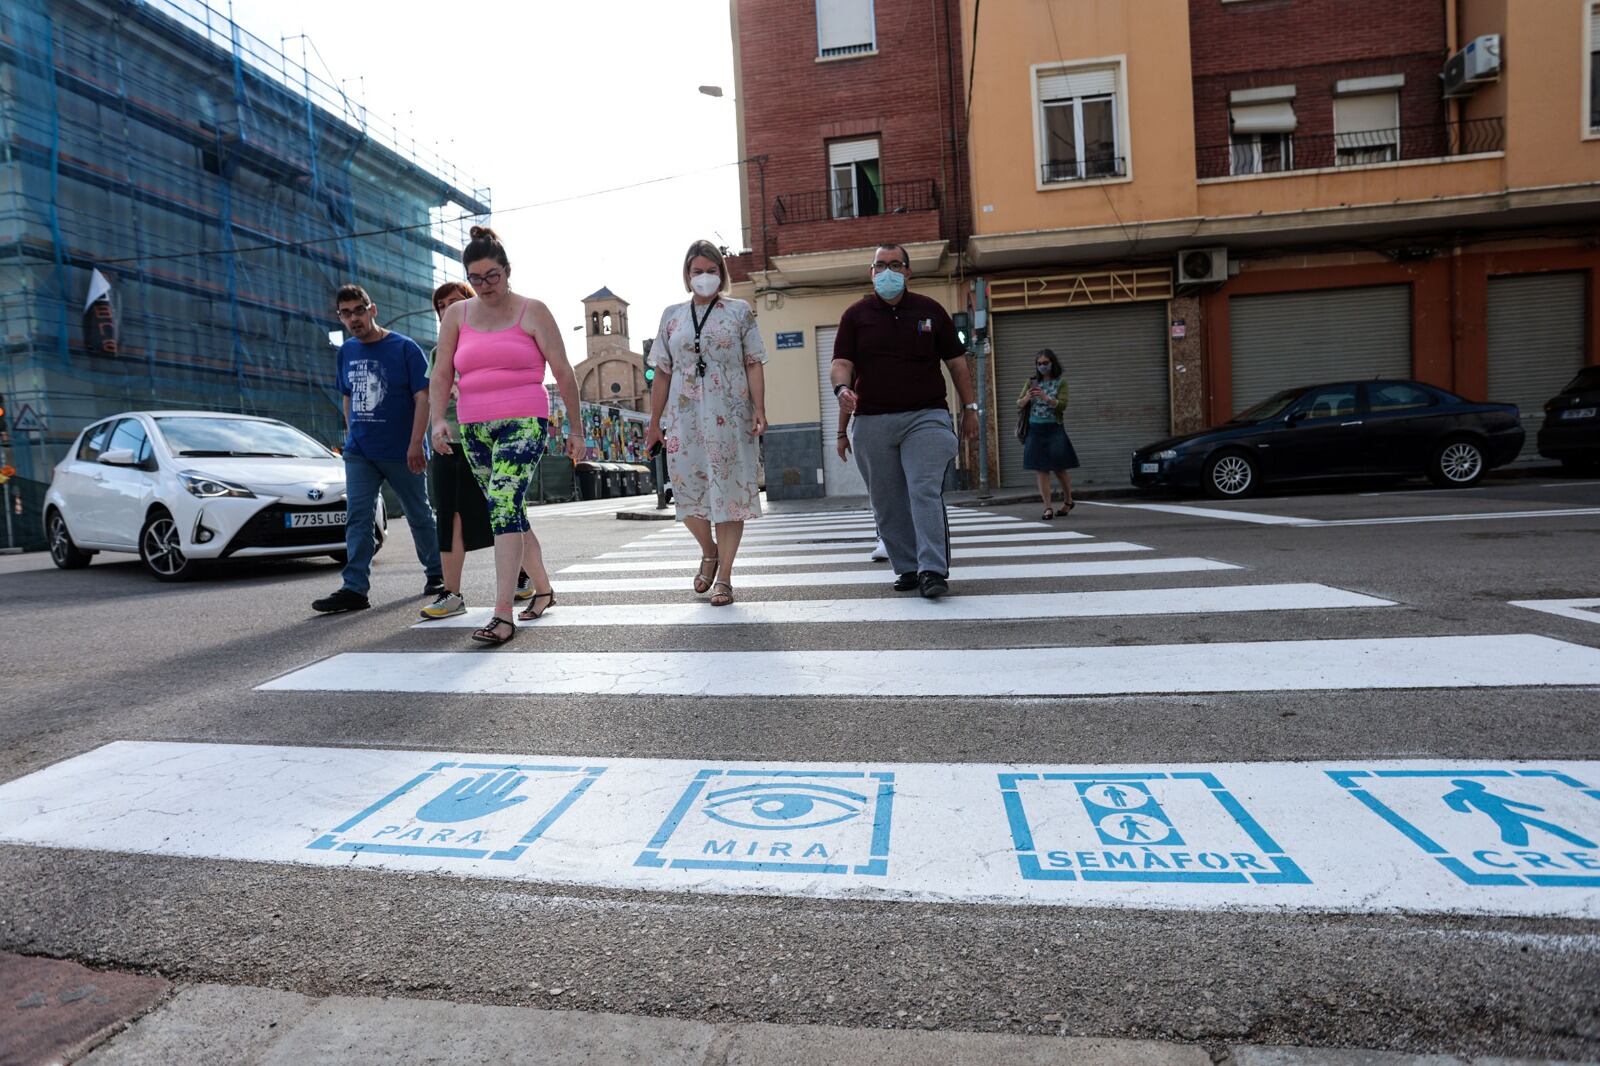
(886,360)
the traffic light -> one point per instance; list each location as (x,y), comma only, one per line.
(963,323)
(649,371)
(2,412)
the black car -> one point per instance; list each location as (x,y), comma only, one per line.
(1371,429)
(1571,430)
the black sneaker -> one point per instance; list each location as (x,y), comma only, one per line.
(343,600)
(933,585)
(434,587)
(906,582)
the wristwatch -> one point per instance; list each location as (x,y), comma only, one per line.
(837,388)
(970,406)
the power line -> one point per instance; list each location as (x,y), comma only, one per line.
(273,246)
(972,62)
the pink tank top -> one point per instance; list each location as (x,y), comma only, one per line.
(501,374)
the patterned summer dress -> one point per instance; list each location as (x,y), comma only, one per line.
(707,425)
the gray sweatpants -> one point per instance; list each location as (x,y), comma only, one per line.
(903,458)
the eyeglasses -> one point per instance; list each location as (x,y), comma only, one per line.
(478,281)
(889,264)
(354,312)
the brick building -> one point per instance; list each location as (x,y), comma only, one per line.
(851,113)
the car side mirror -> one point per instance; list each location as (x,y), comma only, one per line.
(1295,417)
(119,457)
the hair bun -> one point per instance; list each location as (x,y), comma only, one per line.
(483,233)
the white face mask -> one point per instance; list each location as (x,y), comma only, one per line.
(705,284)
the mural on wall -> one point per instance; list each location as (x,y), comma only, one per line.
(612,434)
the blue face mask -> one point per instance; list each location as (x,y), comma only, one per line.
(889,284)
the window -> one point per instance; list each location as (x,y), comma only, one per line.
(1366,129)
(1334,401)
(130,434)
(1397,396)
(94,442)
(845,28)
(1261,137)
(855,178)
(1594,68)
(1078,132)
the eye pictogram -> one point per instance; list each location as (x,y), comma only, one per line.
(783,805)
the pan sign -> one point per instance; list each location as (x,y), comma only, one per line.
(797,339)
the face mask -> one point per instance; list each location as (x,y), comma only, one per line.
(705,284)
(889,284)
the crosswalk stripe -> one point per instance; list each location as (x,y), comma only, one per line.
(755,532)
(1500,660)
(969,552)
(865,520)
(641,550)
(1205,599)
(878,576)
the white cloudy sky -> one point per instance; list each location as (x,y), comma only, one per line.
(543,100)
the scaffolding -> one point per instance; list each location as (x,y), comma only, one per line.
(134,133)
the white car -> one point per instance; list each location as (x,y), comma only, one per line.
(181,487)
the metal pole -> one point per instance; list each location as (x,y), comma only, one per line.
(11,539)
(980,334)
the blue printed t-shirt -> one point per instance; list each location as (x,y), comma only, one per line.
(381,380)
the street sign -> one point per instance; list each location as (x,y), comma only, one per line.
(28,421)
(796,339)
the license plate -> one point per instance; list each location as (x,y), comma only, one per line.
(1579,412)
(1149,468)
(305,519)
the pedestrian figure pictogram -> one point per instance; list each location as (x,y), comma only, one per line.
(1474,795)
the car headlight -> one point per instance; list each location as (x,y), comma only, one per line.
(209,487)
(1166,453)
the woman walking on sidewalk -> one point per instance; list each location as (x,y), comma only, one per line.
(498,344)
(708,405)
(1046,448)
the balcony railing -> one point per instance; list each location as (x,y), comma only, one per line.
(1285,153)
(889,198)
(1060,171)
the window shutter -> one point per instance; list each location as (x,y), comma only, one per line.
(852,151)
(1068,85)
(844,26)
(1263,118)
(1594,28)
(1363,114)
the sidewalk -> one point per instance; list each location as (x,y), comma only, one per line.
(60,1012)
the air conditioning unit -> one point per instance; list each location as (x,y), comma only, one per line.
(1476,64)
(1203,266)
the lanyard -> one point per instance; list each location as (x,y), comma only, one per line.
(700,324)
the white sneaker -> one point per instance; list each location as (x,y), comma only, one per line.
(448,604)
(879,552)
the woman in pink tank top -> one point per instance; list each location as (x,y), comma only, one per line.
(494,349)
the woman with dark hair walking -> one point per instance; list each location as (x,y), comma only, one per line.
(494,348)
(708,406)
(1046,448)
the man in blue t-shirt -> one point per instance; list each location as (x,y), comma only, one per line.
(384,378)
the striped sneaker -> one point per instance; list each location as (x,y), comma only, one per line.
(447,605)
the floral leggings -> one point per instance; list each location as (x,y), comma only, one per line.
(503,455)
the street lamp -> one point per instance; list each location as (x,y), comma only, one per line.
(711,90)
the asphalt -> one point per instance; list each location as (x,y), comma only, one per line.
(107,654)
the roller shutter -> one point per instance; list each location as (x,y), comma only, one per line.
(1536,331)
(1307,338)
(839,478)
(1115,361)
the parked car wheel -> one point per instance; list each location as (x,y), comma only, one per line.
(1457,463)
(160,549)
(1230,476)
(63,552)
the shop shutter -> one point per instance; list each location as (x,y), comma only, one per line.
(1115,362)
(839,478)
(1308,338)
(1536,325)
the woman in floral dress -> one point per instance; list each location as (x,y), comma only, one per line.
(708,407)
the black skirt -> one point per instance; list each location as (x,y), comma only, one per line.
(454,491)
(1047,448)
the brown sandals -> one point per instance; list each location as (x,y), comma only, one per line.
(723,598)
(490,634)
(702,580)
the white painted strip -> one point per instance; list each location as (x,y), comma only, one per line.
(756,533)
(1209,599)
(1354,836)
(1578,610)
(1509,660)
(1565,512)
(879,576)
(1253,517)
(838,528)
(639,550)
(863,518)
(973,552)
